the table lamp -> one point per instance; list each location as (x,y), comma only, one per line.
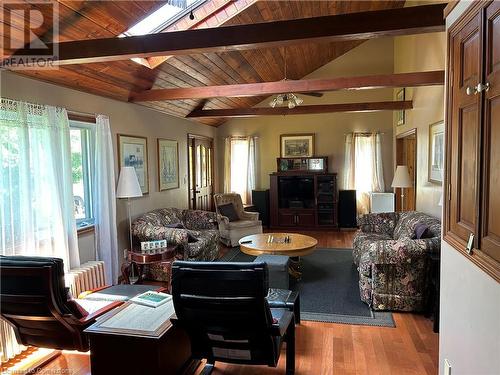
(128,187)
(402,180)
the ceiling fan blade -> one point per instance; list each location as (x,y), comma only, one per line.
(315,94)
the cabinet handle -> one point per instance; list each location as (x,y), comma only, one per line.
(471,90)
(480,87)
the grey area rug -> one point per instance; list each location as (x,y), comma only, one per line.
(328,289)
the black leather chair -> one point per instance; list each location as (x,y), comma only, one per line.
(223,308)
(34,300)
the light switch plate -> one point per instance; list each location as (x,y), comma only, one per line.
(447,367)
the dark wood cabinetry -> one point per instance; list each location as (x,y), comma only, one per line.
(473,136)
(305,200)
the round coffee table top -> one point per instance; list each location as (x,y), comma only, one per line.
(299,244)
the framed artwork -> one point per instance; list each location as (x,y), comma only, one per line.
(296,145)
(133,152)
(168,164)
(436,152)
(400,96)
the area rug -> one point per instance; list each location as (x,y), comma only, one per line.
(328,289)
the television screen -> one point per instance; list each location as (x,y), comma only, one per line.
(296,192)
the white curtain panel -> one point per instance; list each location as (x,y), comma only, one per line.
(378,184)
(36,187)
(363,167)
(227,165)
(252,162)
(104,202)
(36,191)
(349,162)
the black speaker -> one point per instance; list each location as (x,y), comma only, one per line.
(347,209)
(260,199)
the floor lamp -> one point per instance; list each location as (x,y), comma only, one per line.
(128,187)
(402,180)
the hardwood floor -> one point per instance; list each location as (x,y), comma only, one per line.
(327,348)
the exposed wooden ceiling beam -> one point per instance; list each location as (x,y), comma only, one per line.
(350,26)
(301,110)
(431,78)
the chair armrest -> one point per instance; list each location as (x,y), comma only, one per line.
(200,220)
(252,216)
(92,317)
(285,318)
(378,223)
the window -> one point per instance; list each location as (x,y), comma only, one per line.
(240,166)
(160,19)
(82,136)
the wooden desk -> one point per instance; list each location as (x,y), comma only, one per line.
(135,339)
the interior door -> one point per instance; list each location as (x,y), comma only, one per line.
(490,233)
(200,151)
(465,139)
(406,154)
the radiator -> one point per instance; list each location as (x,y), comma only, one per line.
(381,202)
(88,276)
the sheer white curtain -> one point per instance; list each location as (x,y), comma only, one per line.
(104,202)
(363,169)
(240,174)
(36,188)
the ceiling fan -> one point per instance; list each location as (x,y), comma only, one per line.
(291,99)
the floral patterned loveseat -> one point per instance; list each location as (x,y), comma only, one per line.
(393,265)
(194,231)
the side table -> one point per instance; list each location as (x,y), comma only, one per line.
(138,260)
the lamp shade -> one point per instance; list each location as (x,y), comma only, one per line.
(401,177)
(128,184)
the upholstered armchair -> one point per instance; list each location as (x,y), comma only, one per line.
(393,263)
(234,222)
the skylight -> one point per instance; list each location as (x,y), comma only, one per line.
(161,18)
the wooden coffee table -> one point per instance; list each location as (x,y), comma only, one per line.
(299,245)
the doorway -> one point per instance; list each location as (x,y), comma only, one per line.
(200,172)
(406,154)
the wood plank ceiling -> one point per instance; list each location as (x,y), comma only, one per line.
(120,79)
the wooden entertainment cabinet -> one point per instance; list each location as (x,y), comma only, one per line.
(306,200)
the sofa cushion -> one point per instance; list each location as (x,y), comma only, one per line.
(244,224)
(229,211)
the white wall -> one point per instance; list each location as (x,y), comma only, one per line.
(470,307)
(125,118)
(413,53)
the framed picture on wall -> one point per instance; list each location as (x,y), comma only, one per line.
(436,152)
(400,96)
(168,164)
(133,152)
(296,145)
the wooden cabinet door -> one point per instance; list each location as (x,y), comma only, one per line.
(306,219)
(464,148)
(490,226)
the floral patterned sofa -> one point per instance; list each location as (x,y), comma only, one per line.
(393,265)
(194,231)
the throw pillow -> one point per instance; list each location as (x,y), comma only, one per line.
(228,211)
(421,231)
